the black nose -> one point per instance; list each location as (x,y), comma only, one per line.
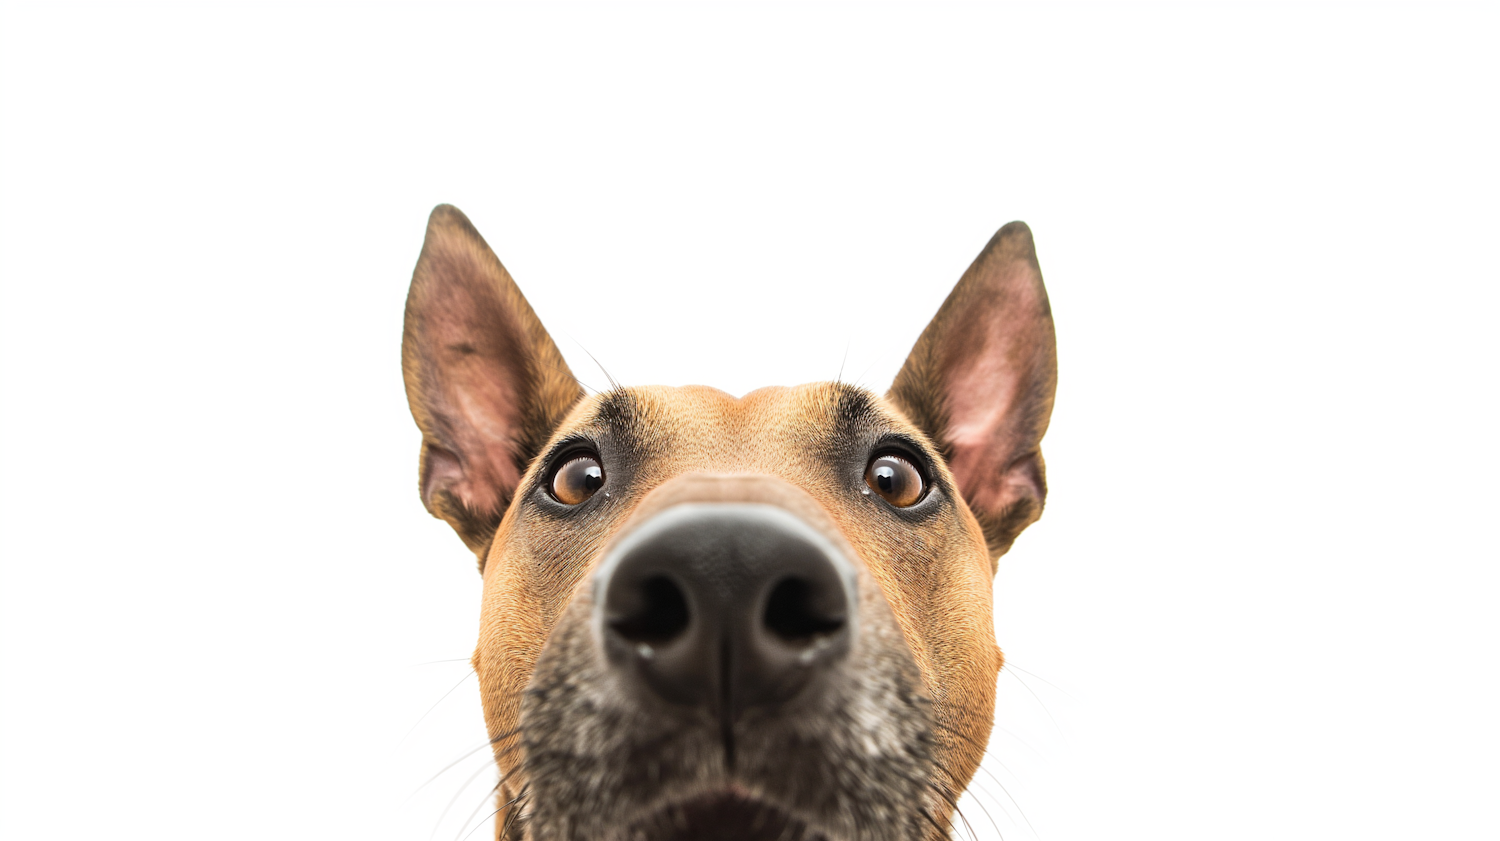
(725,605)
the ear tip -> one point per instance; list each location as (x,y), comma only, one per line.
(447,216)
(447,226)
(1010,245)
(445,212)
(1015,239)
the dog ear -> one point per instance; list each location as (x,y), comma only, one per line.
(486,384)
(980,383)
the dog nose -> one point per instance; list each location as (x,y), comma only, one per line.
(725,606)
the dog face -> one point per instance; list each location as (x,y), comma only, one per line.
(741,618)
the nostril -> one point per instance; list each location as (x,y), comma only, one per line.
(794,612)
(661,614)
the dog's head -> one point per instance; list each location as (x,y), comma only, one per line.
(715,617)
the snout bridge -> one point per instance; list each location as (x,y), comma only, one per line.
(726,593)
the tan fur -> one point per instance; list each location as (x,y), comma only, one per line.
(934,575)
(944,611)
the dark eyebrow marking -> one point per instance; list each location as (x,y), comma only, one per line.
(857,415)
(611,429)
(854,408)
(617,409)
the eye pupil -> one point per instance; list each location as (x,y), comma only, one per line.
(577,480)
(896,479)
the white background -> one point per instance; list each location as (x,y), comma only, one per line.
(1262,602)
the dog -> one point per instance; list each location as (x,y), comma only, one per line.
(709,617)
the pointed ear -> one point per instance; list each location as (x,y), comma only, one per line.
(486,384)
(980,383)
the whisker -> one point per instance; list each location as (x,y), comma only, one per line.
(482,801)
(458,794)
(615,386)
(942,833)
(1011,797)
(949,730)
(937,787)
(977,789)
(971,740)
(414,727)
(860,380)
(1038,701)
(504,832)
(1011,665)
(1020,741)
(947,796)
(462,758)
(482,822)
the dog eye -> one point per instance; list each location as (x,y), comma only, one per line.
(896,479)
(577,480)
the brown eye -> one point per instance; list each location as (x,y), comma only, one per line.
(896,479)
(577,480)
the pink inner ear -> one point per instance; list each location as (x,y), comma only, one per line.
(487,401)
(990,368)
(473,350)
(979,402)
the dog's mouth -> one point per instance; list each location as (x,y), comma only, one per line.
(723,816)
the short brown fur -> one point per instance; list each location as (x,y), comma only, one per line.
(476,357)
